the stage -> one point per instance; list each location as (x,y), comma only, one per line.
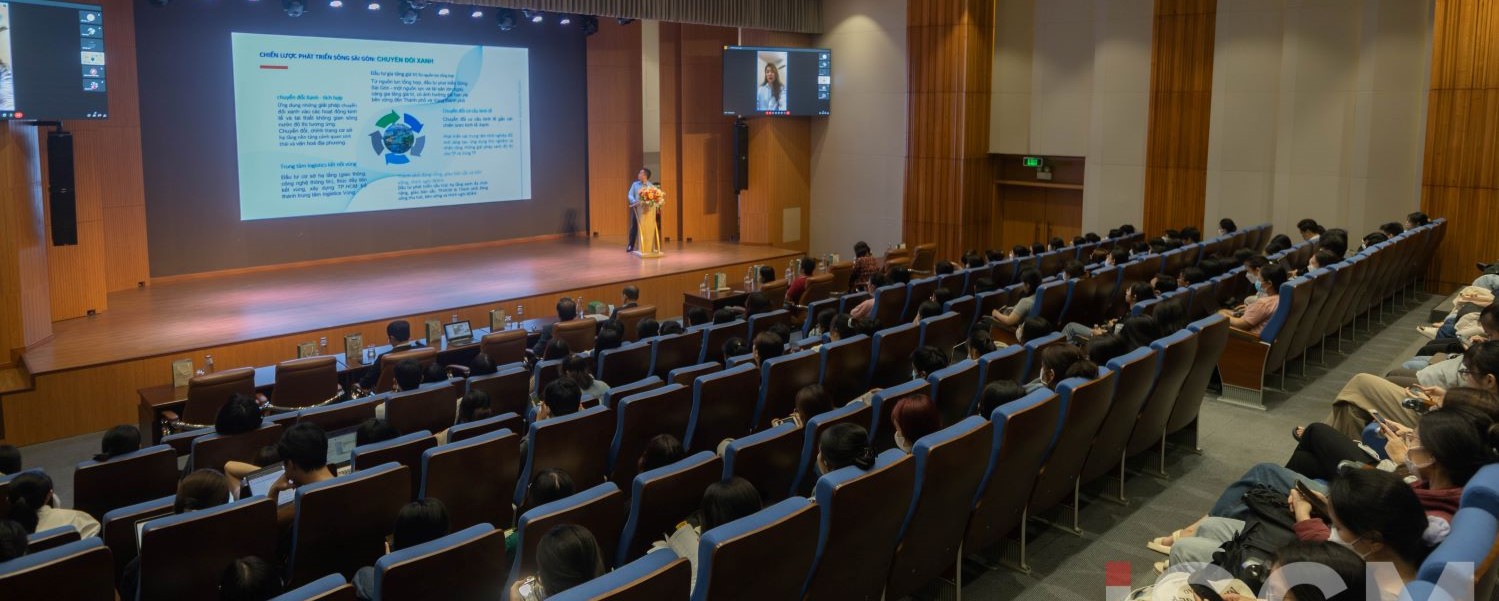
(85,377)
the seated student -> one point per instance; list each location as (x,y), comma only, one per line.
(898,275)
(767,274)
(647,328)
(940,296)
(304,455)
(434,373)
(32,505)
(980,343)
(768,345)
(375,430)
(562,397)
(1139,330)
(696,316)
(1010,318)
(806,267)
(944,268)
(914,416)
(1191,235)
(865,266)
(566,556)
(1334,241)
(238,416)
(1038,249)
(1078,332)
(996,394)
(1227,226)
(723,502)
(872,286)
(12,540)
(672,327)
(1104,348)
(724,315)
(474,406)
(811,401)
(250,579)
(844,445)
(398,332)
(481,365)
(1191,274)
(10,459)
(567,310)
(1163,283)
(1118,256)
(608,339)
(822,323)
(1034,328)
(1258,313)
(117,441)
(550,484)
(1171,315)
(1391,229)
(926,360)
(579,369)
(1277,243)
(418,522)
(1060,362)
(629,299)
(1437,364)
(756,303)
(660,451)
(841,326)
(201,489)
(1020,251)
(733,347)
(1056,243)
(409,375)
(927,309)
(1372,239)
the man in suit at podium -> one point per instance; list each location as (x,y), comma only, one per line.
(399,333)
(642,179)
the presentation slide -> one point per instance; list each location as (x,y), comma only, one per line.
(330,126)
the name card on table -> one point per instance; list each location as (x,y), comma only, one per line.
(353,345)
(434,332)
(182,371)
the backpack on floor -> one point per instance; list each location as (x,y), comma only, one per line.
(1268,527)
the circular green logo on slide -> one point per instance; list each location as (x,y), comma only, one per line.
(398,138)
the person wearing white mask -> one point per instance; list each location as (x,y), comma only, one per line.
(1377,516)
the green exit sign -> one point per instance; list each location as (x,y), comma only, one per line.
(1032,161)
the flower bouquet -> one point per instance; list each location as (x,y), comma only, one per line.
(653,197)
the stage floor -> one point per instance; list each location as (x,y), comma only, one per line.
(217,310)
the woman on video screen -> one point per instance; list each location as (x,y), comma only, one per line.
(772,93)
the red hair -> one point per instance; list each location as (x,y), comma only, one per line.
(917,416)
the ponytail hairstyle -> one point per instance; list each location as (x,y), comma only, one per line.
(29,491)
(846,444)
(1460,439)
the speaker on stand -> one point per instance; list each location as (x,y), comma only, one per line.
(61,195)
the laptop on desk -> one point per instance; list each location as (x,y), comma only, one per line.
(458,334)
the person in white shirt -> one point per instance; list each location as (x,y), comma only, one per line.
(34,507)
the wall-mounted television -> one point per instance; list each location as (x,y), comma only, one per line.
(52,61)
(760,80)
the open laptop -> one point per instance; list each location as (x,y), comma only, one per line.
(458,333)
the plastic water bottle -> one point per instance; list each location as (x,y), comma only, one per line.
(455,318)
(520,312)
(509,323)
(208,363)
(703,287)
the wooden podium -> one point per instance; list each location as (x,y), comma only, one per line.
(649,244)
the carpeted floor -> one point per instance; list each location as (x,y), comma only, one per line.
(1067,566)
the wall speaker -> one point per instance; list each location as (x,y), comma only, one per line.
(741,155)
(60,191)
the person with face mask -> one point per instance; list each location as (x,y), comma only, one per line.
(1255,315)
(1320,448)
(1365,393)
(1377,516)
(914,417)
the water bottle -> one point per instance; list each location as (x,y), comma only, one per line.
(509,323)
(703,287)
(520,312)
(322,346)
(455,318)
(208,363)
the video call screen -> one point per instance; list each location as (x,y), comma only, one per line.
(793,82)
(52,63)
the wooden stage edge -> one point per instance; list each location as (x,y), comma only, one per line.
(84,379)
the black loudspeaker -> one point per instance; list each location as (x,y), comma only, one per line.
(60,192)
(741,155)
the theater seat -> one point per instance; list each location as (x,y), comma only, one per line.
(151,472)
(764,321)
(881,432)
(1022,434)
(387,365)
(945,331)
(183,556)
(768,459)
(505,346)
(630,318)
(508,389)
(861,514)
(732,558)
(600,509)
(689,374)
(206,394)
(723,406)
(341,524)
(1177,352)
(947,476)
(780,379)
(474,478)
(844,367)
(1007,363)
(661,498)
(212,451)
(117,528)
(659,575)
(676,350)
(341,415)
(806,474)
(715,335)
(328,588)
(433,408)
(457,566)
(615,394)
(628,363)
(1033,348)
(1085,404)
(504,421)
(889,305)
(641,417)
(892,355)
(955,389)
(919,291)
(577,444)
(306,382)
(579,334)
(1212,337)
(1136,371)
(37,542)
(81,571)
(406,450)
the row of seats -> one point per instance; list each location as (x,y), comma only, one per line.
(1318,305)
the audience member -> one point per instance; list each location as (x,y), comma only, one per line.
(433,373)
(733,347)
(996,394)
(756,303)
(237,416)
(304,455)
(1060,362)
(724,315)
(1227,226)
(807,266)
(927,309)
(660,451)
(629,299)
(723,502)
(672,328)
(866,307)
(1253,317)
(580,369)
(12,540)
(549,484)
(32,505)
(10,460)
(696,316)
(768,345)
(980,343)
(409,375)
(767,274)
(647,328)
(1139,330)
(201,489)
(481,365)
(562,397)
(567,310)
(1106,347)
(865,265)
(1010,318)
(120,440)
(1034,328)
(566,556)
(556,349)
(925,360)
(914,417)
(250,579)
(844,445)
(811,401)
(419,521)
(608,339)
(398,333)
(474,406)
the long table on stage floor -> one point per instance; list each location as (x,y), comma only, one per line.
(86,377)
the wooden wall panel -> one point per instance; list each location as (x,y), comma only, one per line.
(1181,95)
(25,310)
(670,69)
(615,146)
(949,192)
(1460,179)
(706,195)
(780,166)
